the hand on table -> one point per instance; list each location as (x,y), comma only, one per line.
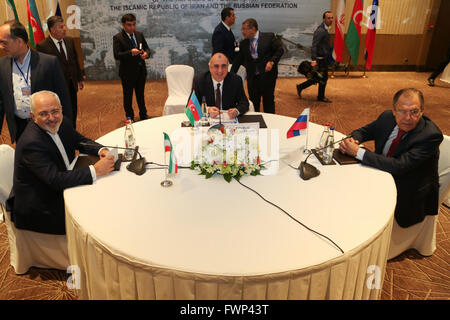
(349,146)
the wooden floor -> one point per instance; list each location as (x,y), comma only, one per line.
(356,101)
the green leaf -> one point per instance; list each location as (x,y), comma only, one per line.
(228,177)
(208,175)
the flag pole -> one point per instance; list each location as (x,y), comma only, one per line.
(306,150)
(165,183)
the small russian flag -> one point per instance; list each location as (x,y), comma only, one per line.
(300,125)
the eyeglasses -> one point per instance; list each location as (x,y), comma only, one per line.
(46,114)
(412,113)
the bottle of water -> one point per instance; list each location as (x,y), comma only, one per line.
(328,151)
(205,120)
(130,140)
(323,139)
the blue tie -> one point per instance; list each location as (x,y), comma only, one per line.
(133,41)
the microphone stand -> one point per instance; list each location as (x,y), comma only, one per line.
(308,171)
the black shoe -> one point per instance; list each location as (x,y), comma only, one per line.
(144,117)
(431,82)
(325,100)
(299,91)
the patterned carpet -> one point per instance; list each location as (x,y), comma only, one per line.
(356,101)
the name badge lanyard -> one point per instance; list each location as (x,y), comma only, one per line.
(21,72)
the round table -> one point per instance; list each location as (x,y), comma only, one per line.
(209,239)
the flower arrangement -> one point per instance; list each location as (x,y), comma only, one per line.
(231,154)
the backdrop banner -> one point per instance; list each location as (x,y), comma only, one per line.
(179,31)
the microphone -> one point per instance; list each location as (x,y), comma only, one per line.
(136,166)
(308,171)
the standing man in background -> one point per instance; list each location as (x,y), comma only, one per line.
(259,53)
(131,49)
(320,52)
(23,72)
(223,40)
(57,44)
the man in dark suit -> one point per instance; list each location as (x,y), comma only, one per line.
(407,146)
(57,44)
(221,89)
(223,38)
(23,72)
(320,52)
(131,49)
(41,167)
(259,53)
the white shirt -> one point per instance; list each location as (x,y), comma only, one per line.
(57,140)
(392,136)
(56,42)
(21,79)
(226,26)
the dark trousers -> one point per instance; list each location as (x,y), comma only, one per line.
(441,66)
(137,84)
(74,101)
(21,124)
(323,69)
(262,86)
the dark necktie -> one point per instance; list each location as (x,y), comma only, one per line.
(61,50)
(218,97)
(395,142)
(133,41)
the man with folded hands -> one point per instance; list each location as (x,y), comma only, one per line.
(222,90)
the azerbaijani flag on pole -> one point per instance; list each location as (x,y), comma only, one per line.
(11,12)
(300,126)
(193,109)
(370,36)
(173,165)
(339,22)
(354,31)
(34,24)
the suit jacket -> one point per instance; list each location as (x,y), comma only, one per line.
(413,165)
(223,41)
(233,94)
(40,177)
(320,44)
(46,74)
(269,49)
(70,66)
(129,65)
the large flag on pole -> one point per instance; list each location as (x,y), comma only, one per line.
(300,126)
(339,22)
(58,10)
(193,109)
(173,165)
(370,36)
(354,31)
(34,24)
(11,12)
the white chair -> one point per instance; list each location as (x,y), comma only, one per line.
(242,72)
(28,248)
(6,174)
(179,82)
(422,236)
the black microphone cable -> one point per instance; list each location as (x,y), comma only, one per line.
(290,216)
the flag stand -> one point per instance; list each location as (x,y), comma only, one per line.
(166,183)
(364,74)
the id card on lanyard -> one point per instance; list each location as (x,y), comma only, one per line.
(26,90)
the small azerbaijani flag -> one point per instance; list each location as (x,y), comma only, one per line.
(193,109)
(173,165)
(300,125)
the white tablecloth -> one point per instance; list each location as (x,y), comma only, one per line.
(209,239)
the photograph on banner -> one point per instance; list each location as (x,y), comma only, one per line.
(179,32)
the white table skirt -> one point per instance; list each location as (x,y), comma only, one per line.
(132,239)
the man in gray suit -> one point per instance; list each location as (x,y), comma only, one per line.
(320,52)
(22,72)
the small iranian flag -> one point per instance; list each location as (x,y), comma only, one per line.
(193,109)
(173,166)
